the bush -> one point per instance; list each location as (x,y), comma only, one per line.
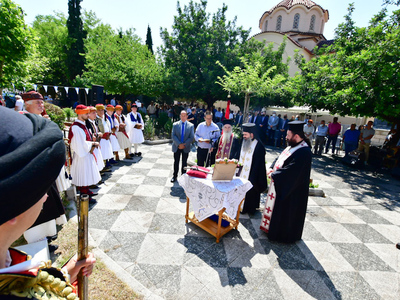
(69,113)
(56,114)
(162,120)
(168,127)
(149,130)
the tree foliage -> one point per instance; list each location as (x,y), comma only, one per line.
(52,36)
(121,63)
(196,42)
(261,74)
(359,74)
(76,35)
(149,40)
(15,39)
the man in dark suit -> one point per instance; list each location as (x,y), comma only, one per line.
(182,137)
(283,128)
(263,127)
(239,119)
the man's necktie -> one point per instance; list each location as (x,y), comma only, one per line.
(183,132)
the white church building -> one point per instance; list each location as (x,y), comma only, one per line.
(302,21)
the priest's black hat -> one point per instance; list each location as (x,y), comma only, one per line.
(32,153)
(227,122)
(249,127)
(296,126)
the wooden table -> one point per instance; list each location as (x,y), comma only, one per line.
(212,227)
(208,197)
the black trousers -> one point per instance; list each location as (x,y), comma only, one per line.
(202,156)
(177,158)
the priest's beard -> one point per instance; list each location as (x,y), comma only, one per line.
(246,144)
(292,142)
(226,136)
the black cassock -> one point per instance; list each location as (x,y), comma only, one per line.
(292,182)
(235,149)
(258,177)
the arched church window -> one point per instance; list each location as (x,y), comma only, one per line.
(312,23)
(279,23)
(296,21)
(266,25)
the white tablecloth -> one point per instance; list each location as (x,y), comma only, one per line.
(208,197)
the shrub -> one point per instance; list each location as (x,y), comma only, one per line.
(168,127)
(149,130)
(162,120)
(69,113)
(56,114)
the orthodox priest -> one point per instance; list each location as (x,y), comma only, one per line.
(227,145)
(286,205)
(252,157)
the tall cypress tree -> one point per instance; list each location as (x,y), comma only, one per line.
(149,40)
(76,35)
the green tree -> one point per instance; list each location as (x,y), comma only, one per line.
(190,51)
(52,35)
(359,74)
(76,35)
(254,78)
(15,39)
(149,40)
(121,63)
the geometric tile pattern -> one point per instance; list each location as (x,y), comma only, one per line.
(347,250)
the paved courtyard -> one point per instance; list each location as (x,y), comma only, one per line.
(347,251)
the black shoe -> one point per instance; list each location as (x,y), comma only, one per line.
(93,186)
(92,201)
(53,248)
(112,161)
(173,179)
(138,154)
(398,246)
(106,169)
(100,182)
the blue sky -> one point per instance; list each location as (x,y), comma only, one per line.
(160,13)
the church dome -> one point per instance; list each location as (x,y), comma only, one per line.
(288,4)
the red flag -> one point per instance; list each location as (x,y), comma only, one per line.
(227,110)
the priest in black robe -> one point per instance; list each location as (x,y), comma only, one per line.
(285,209)
(252,157)
(227,145)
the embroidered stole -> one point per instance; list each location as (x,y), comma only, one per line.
(246,158)
(271,196)
(224,149)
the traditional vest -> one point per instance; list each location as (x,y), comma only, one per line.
(84,128)
(133,119)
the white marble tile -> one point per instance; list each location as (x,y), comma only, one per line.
(335,233)
(106,187)
(159,173)
(302,284)
(215,282)
(311,202)
(391,232)
(133,221)
(143,165)
(157,249)
(149,190)
(392,216)
(324,257)
(97,235)
(165,161)
(349,203)
(153,155)
(190,286)
(388,253)
(122,170)
(342,215)
(132,179)
(323,184)
(171,206)
(245,253)
(386,284)
(112,201)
